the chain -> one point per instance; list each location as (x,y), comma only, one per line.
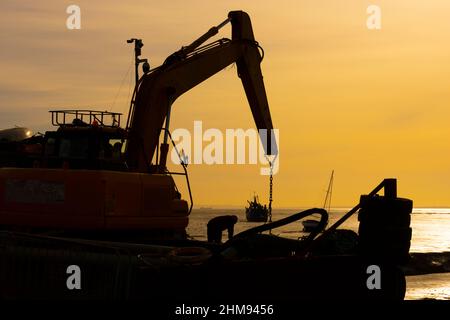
(270,191)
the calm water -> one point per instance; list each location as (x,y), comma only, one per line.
(431,233)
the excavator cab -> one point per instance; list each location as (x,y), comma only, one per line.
(85,139)
(80,182)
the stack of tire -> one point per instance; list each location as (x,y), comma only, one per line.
(384,228)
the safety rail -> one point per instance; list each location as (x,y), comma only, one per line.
(85,117)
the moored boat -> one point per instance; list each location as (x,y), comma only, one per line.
(310,225)
(256,212)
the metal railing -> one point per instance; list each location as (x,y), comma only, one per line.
(85,117)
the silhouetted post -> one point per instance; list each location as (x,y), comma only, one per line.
(390,188)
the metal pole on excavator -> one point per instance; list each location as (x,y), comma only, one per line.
(146,69)
(137,52)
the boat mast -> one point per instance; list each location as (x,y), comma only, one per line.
(327,202)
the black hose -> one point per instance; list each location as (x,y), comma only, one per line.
(297,216)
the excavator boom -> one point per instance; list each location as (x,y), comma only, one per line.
(186,68)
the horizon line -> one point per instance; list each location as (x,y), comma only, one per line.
(301,207)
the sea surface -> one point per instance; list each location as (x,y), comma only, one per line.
(431,233)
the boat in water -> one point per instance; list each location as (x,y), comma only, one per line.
(256,212)
(310,225)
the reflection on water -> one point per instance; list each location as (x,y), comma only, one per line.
(431,233)
(429,286)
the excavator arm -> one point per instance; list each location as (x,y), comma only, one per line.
(183,70)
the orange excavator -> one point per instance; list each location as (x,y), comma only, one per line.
(93,175)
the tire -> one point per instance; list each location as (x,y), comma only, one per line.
(379,219)
(386,234)
(379,203)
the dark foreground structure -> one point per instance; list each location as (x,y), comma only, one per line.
(331,263)
(38,269)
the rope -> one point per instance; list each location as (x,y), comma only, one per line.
(120,87)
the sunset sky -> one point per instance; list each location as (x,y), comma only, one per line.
(369,104)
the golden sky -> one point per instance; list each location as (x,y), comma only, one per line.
(369,104)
